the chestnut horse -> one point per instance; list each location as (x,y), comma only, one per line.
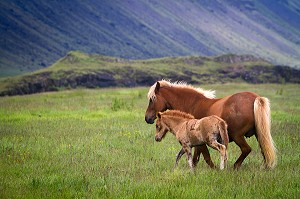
(191,132)
(246,114)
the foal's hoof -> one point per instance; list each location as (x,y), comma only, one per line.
(192,170)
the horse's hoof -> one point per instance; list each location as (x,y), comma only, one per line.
(236,167)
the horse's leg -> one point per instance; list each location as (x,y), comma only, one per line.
(245,148)
(197,153)
(181,152)
(222,150)
(203,149)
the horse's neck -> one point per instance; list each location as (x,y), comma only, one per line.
(191,102)
(175,123)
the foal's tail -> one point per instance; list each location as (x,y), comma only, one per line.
(263,124)
(224,133)
(225,140)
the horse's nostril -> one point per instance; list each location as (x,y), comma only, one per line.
(157,139)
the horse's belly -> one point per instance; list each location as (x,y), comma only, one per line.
(250,133)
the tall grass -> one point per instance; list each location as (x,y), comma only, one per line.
(95,144)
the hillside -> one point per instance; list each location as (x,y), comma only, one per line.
(78,69)
(34,34)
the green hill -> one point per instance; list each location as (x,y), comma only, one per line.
(79,69)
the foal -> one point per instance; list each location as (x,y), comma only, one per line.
(191,132)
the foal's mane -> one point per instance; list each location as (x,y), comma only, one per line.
(177,113)
(179,84)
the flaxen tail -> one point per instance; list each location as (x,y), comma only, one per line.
(263,125)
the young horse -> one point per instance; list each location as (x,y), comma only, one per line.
(246,114)
(191,132)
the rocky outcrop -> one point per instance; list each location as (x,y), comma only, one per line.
(231,58)
(261,74)
(131,77)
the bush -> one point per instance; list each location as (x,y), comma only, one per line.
(120,104)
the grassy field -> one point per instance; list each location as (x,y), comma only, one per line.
(95,144)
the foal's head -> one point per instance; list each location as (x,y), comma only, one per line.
(167,120)
(161,128)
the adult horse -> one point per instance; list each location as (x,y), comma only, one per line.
(246,114)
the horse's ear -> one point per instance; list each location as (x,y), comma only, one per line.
(157,87)
(159,114)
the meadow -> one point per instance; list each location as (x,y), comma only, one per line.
(94,143)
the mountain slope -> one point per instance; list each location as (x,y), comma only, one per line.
(34,34)
(78,69)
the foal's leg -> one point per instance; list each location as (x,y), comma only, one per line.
(181,152)
(203,149)
(188,151)
(222,149)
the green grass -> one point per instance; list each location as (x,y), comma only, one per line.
(95,144)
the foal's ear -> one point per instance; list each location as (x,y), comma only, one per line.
(157,87)
(159,114)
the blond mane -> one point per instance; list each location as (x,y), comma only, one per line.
(179,84)
(177,113)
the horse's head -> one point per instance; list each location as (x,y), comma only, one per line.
(161,128)
(156,103)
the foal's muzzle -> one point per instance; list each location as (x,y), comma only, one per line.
(157,139)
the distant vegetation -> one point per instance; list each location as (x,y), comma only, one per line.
(78,69)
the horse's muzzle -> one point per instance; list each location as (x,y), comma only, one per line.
(149,120)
